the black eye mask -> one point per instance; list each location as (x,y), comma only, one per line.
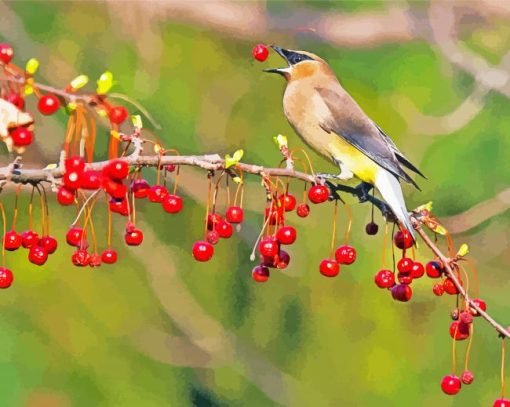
(294,57)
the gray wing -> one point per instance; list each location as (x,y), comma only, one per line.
(347,120)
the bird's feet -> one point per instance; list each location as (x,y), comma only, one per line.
(364,189)
(345,174)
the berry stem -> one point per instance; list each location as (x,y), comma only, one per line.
(15,215)
(332,245)
(454,351)
(468,349)
(4,220)
(349,225)
(109,238)
(91,196)
(385,243)
(503,368)
(208,203)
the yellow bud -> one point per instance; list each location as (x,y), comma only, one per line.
(137,121)
(463,250)
(32,66)
(104,83)
(79,82)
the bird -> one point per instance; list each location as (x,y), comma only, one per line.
(333,124)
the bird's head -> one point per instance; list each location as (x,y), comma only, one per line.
(301,64)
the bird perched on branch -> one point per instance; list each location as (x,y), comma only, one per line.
(330,121)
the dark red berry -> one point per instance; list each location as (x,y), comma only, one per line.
(260,52)
(449,287)
(318,194)
(282,260)
(459,331)
(451,384)
(22,137)
(120,206)
(74,163)
(116,189)
(29,238)
(288,202)
(417,270)
(134,237)
(72,180)
(401,292)
(286,235)
(140,188)
(405,265)
(269,247)
(212,220)
(38,255)
(74,236)
(49,243)
(434,269)
(117,114)
(303,210)
(501,403)
(157,193)
(345,254)
(438,289)
(172,203)
(91,180)
(170,167)
(404,278)
(48,104)
(467,377)
(6,277)
(203,251)
(80,258)
(224,229)
(384,279)
(12,240)
(16,99)
(109,256)
(403,239)
(268,261)
(371,228)
(212,236)
(329,268)
(234,214)
(116,169)
(481,304)
(6,53)
(260,274)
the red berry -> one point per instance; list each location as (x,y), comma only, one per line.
(303,210)
(234,214)
(260,52)
(459,331)
(38,255)
(260,274)
(275,213)
(371,228)
(134,237)
(202,251)
(116,189)
(72,180)
(74,163)
(12,240)
(467,377)
(212,237)
(417,270)
(286,235)
(404,278)
(65,196)
(385,279)
(48,104)
(74,236)
(318,194)
(481,304)
(140,188)
(501,403)
(22,136)
(268,261)
(283,260)
(449,287)
(329,268)
(109,256)
(6,277)
(401,292)
(170,167)
(450,384)
(212,220)
(16,100)
(49,243)
(29,238)
(434,269)
(6,53)
(345,254)
(118,114)
(172,203)
(224,229)
(94,260)
(403,240)
(120,206)
(438,289)
(268,246)
(91,180)
(117,169)
(405,265)
(288,202)
(466,317)
(80,258)
(157,193)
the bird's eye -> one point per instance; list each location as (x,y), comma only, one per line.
(298,58)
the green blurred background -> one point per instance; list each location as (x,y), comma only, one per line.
(159,329)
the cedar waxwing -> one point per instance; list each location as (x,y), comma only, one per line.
(330,121)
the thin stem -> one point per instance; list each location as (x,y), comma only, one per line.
(5,231)
(503,368)
(333,233)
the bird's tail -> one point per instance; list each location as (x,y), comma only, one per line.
(389,188)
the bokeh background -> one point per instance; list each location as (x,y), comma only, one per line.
(159,329)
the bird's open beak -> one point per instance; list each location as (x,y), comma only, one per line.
(282,52)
